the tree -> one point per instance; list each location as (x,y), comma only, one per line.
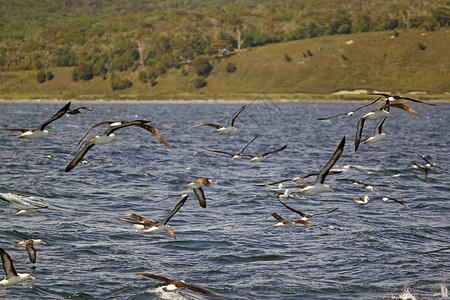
(41,77)
(202,66)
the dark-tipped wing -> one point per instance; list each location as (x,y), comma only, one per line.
(359,129)
(306,223)
(381,94)
(402,106)
(207,124)
(223,152)
(139,220)
(242,151)
(334,158)
(200,196)
(96,125)
(418,101)
(335,116)
(8,265)
(234,116)
(55,117)
(79,157)
(122,124)
(31,252)
(274,151)
(195,289)
(293,209)
(279,218)
(379,125)
(156,133)
(399,202)
(327,212)
(156,277)
(175,210)
(344,114)
(15,129)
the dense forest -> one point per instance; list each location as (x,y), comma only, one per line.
(117,40)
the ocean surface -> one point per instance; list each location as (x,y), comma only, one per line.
(360,251)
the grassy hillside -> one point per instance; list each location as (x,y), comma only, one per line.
(414,61)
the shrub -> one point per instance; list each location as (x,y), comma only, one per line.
(50,75)
(200,82)
(231,67)
(287,58)
(41,77)
(83,71)
(422,46)
(119,83)
(202,66)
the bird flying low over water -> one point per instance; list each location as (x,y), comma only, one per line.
(229,127)
(381,113)
(40,131)
(176,284)
(235,155)
(319,186)
(139,223)
(368,186)
(306,217)
(350,113)
(29,245)
(425,167)
(387,198)
(398,99)
(12,277)
(196,186)
(283,223)
(109,136)
(262,156)
(76,111)
(297,180)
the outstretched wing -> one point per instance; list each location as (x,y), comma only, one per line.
(402,106)
(293,209)
(8,265)
(156,277)
(155,132)
(96,125)
(207,124)
(223,152)
(79,156)
(200,196)
(235,115)
(175,210)
(56,116)
(242,151)
(274,151)
(359,129)
(334,158)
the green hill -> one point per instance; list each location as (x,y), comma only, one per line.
(412,61)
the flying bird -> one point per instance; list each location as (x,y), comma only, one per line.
(283,223)
(12,277)
(176,284)
(319,186)
(109,136)
(306,217)
(76,111)
(139,223)
(40,131)
(262,156)
(398,99)
(368,186)
(29,245)
(381,113)
(350,113)
(196,186)
(235,155)
(229,127)
(387,198)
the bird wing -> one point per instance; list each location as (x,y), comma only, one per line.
(293,209)
(279,218)
(8,265)
(56,116)
(379,125)
(196,289)
(242,151)
(402,106)
(273,183)
(200,196)
(124,124)
(234,116)
(325,213)
(223,152)
(15,129)
(207,124)
(174,211)
(79,156)
(31,252)
(399,202)
(359,129)
(381,94)
(327,118)
(334,158)
(96,125)
(274,151)
(160,278)
(343,114)
(418,101)
(155,133)
(306,223)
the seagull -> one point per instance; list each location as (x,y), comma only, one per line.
(387,198)
(287,193)
(419,166)
(109,136)
(40,131)
(306,217)
(319,186)
(381,113)
(28,210)
(76,111)
(29,245)
(377,134)
(12,277)
(175,284)
(364,200)
(368,186)
(350,113)
(297,180)
(153,226)
(283,223)
(262,156)
(229,128)
(429,163)
(398,99)
(196,186)
(235,155)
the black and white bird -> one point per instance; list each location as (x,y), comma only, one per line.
(319,186)
(174,285)
(140,223)
(40,132)
(350,113)
(29,245)
(12,277)
(76,111)
(229,127)
(284,223)
(197,185)
(262,156)
(109,136)
(399,99)
(237,155)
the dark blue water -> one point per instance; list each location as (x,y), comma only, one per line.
(369,251)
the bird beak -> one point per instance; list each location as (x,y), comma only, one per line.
(332,191)
(50,135)
(44,243)
(391,116)
(32,277)
(388,137)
